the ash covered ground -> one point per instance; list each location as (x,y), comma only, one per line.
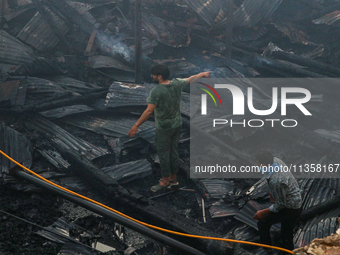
(271,39)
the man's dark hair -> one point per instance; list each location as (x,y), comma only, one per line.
(161,70)
(265,158)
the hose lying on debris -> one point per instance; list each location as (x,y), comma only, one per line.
(140,222)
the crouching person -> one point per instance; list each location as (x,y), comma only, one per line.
(286,197)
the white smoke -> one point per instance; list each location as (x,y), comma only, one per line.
(113,45)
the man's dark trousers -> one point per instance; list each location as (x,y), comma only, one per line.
(167,149)
(288,219)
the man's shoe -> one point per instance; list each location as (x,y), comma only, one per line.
(172,184)
(158,187)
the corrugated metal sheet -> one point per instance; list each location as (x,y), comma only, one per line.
(163,31)
(317,191)
(39,34)
(320,226)
(59,231)
(248,211)
(13,52)
(99,61)
(64,139)
(65,111)
(54,158)
(126,172)
(252,12)
(218,188)
(39,89)
(328,19)
(129,94)
(259,190)
(73,84)
(221,209)
(16,146)
(208,10)
(246,233)
(83,8)
(111,126)
(248,14)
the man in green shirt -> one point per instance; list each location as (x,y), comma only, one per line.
(165,100)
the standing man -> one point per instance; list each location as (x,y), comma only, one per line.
(165,101)
(286,195)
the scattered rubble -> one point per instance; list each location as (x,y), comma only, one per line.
(68,98)
(323,246)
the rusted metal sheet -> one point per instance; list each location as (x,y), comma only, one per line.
(39,34)
(163,31)
(328,19)
(16,146)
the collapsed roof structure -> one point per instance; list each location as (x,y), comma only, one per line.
(68,99)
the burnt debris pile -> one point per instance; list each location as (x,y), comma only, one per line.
(68,99)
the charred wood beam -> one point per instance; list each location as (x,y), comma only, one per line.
(321,67)
(46,16)
(91,40)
